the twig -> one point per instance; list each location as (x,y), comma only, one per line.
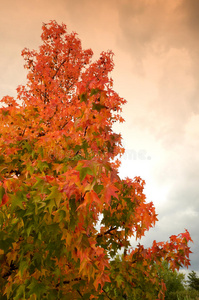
(107,232)
(80,294)
(106,294)
(24,131)
(85,130)
(63,62)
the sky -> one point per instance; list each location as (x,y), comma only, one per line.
(156,48)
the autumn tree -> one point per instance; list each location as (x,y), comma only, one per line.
(65,212)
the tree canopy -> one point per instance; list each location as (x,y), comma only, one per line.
(64,210)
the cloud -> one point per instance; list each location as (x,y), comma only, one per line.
(177,171)
(161,37)
(156,26)
(190,11)
(143,25)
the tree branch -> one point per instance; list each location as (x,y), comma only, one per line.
(63,62)
(106,294)
(64,125)
(80,294)
(106,232)
(23,131)
(85,130)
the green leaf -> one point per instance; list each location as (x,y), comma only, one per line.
(29,229)
(17,201)
(54,193)
(1,218)
(30,168)
(37,259)
(20,293)
(98,106)
(83,98)
(50,205)
(5,112)
(53,295)
(73,214)
(94,92)
(56,196)
(23,266)
(2,192)
(119,280)
(84,171)
(41,151)
(98,188)
(6,244)
(85,146)
(26,146)
(37,288)
(42,165)
(1,159)
(39,183)
(77,148)
(62,214)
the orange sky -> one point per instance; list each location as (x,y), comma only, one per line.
(156,49)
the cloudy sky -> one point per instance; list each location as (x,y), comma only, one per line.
(156,50)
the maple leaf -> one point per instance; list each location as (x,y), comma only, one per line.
(110,191)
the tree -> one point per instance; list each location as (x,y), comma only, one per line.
(193,281)
(174,281)
(64,209)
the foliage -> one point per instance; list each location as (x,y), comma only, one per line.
(59,175)
(174,281)
(193,281)
(186,295)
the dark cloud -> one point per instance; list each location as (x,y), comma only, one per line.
(190,12)
(156,26)
(143,23)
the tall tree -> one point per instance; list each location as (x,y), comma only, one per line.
(193,281)
(59,175)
